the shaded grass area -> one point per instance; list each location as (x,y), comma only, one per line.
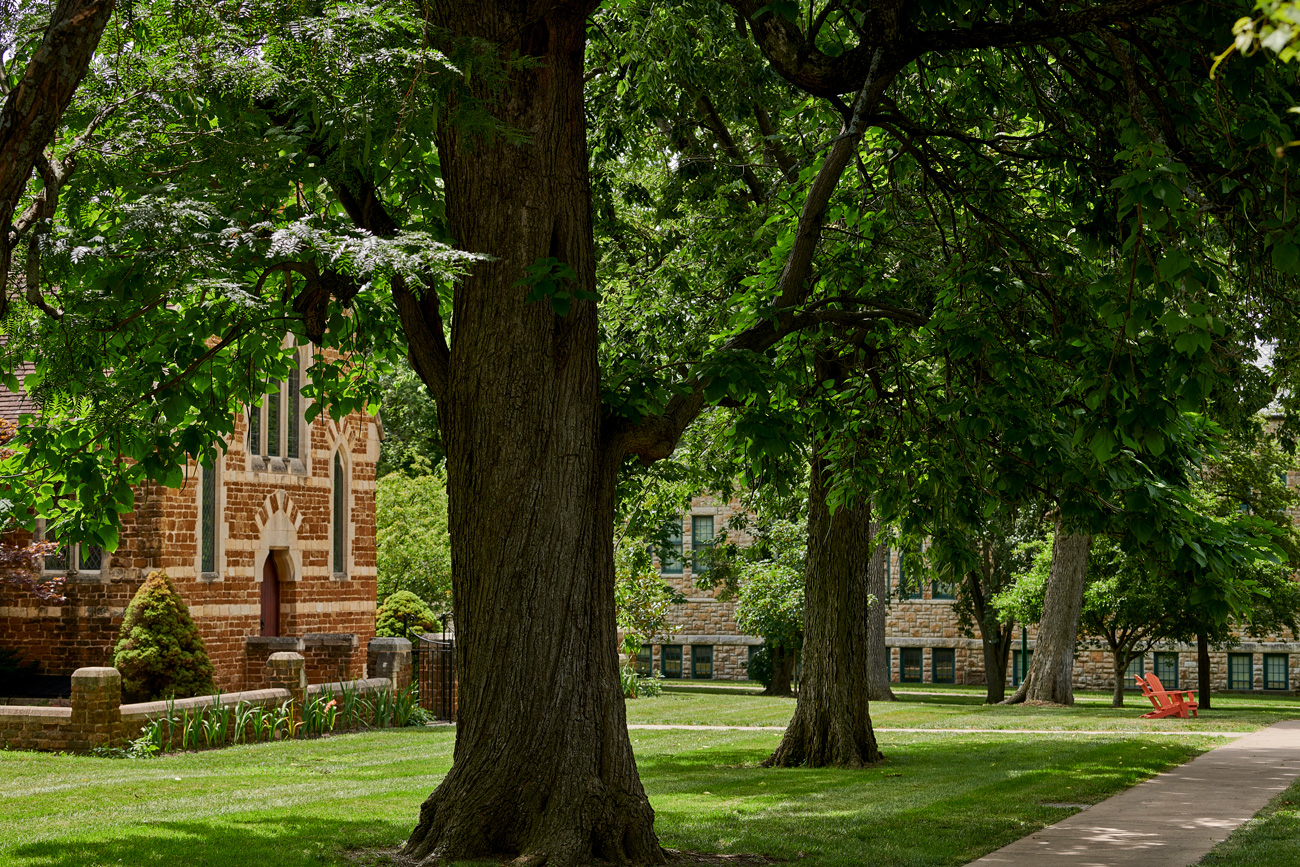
(742,705)
(937,800)
(1272,837)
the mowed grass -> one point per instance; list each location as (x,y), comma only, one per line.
(962,708)
(938,799)
(1271,838)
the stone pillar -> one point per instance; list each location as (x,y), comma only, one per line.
(288,670)
(96,709)
(390,658)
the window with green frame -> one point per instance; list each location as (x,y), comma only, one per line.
(670,660)
(642,664)
(889,572)
(701,542)
(1136,666)
(1276,674)
(1241,673)
(1020,667)
(943,665)
(702,662)
(1166,668)
(670,556)
(909,575)
(943,590)
(909,665)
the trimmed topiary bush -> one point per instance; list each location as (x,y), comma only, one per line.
(159,650)
(405,615)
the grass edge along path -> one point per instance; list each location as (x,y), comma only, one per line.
(1272,837)
(939,798)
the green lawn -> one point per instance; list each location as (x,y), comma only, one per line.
(938,799)
(1272,837)
(718,703)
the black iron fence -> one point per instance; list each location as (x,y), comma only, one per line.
(435,672)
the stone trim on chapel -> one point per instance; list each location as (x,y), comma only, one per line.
(272,547)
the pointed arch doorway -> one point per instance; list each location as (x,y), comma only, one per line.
(270,598)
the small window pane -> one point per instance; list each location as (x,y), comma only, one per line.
(254,430)
(57,561)
(943,665)
(701,542)
(90,558)
(208,520)
(909,575)
(1019,666)
(702,662)
(294,422)
(1275,671)
(889,572)
(943,590)
(340,516)
(909,664)
(670,558)
(643,661)
(672,660)
(1136,666)
(1166,668)
(273,423)
(1240,675)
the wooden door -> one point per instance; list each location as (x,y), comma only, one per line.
(270,598)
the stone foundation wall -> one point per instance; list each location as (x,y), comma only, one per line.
(98,718)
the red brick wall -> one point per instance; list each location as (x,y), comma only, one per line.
(263,505)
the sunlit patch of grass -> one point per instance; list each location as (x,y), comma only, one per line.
(1272,837)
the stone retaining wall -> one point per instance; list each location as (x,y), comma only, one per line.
(97,717)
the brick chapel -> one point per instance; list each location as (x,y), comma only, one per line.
(273,548)
(922,634)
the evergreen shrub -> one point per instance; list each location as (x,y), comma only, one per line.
(159,650)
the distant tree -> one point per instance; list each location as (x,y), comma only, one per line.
(412,539)
(159,650)
(770,603)
(642,600)
(412,443)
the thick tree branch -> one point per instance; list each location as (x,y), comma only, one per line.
(657,436)
(1036,30)
(728,144)
(33,108)
(421,320)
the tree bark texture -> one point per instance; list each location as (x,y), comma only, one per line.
(33,108)
(832,722)
(995,634)
(1203,671)
(543,770)
(1051,673)
(1117,697)
(878,688)
(783,662)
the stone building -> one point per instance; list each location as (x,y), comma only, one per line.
(925,642)
(273,548)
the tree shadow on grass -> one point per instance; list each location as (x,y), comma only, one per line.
(290,841)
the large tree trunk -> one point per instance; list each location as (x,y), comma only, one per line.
(1051,673)
(1203,671)
(543,769)
(878,688)
(832,723)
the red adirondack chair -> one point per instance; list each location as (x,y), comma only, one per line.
(1166,702)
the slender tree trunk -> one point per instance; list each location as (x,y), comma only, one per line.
(1120,661)
(995,640)
(1203,671)
(1051,673)
(782,671)
(878,688)
(832,723)
(543,770)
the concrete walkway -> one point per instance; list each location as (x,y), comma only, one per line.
(1172,819)
(939,731)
